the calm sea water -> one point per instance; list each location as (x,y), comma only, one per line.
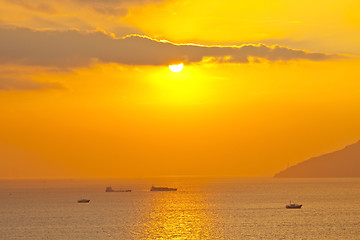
(200,209)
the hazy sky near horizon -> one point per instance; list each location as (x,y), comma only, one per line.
(86,92)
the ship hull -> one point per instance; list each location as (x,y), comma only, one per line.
(119,191)
(299,206)
(109,189)
(162,189)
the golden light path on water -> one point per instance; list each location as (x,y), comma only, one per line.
(179,215)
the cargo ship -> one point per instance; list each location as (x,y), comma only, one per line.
(162,189)
(110,189)
(293,205)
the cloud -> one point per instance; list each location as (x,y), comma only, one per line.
(26,84)
(117,2)
(40,6)
(106,7)
(74,48)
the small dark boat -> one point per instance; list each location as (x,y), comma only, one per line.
(293,205)
(83,201)
(110,189)
(162,189)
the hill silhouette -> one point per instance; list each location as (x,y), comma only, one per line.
(342,163)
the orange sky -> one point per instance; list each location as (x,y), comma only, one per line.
(86,92)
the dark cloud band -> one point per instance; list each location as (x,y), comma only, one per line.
(74,48)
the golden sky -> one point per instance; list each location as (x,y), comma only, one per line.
(86,92)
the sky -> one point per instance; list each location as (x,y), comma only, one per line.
(86,90)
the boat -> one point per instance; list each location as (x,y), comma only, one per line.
(110,189)
(162,189)
(83,201)
(293,205)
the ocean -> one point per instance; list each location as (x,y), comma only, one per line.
(202,208)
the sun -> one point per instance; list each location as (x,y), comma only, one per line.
(177,67)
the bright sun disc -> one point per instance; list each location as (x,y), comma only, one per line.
(176,68)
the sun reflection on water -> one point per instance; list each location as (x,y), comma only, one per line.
(179,215)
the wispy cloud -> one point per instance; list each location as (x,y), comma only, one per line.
(67,14)
(112,7)
(106,7)
(12,84)
(74,48)
(40,6)
(23,78)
